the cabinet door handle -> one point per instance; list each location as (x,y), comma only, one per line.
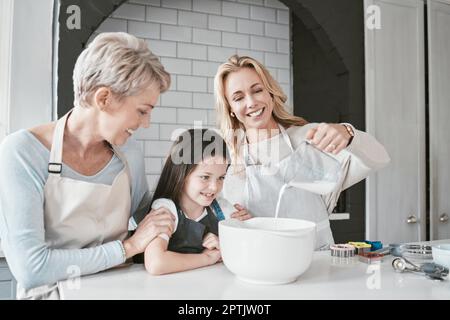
(443,218)
(411,219)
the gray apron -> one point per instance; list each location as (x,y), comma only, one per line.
(311,172)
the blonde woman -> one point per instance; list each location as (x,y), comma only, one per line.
(68,188)
(262,135)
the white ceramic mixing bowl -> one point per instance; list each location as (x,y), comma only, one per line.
(267,250)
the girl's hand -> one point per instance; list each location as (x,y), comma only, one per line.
(211,241)
(241,213)
(156,222)
(212,256)
(329,137)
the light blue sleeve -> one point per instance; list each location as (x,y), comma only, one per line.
(140,196)
(22,230)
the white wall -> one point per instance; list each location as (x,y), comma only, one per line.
(193,37)
(6,14)
(31,64)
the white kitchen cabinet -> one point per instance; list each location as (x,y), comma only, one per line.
(7,282)
(395,114)
(439,116)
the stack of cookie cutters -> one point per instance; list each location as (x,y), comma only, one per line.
(342,250)
(368,251)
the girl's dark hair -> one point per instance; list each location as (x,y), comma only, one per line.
(190,148)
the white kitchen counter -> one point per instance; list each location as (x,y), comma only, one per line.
(325,279)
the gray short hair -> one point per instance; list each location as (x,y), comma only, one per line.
(119,61)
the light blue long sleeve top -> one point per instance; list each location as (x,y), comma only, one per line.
(23,173)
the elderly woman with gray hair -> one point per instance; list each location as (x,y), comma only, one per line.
(69,188)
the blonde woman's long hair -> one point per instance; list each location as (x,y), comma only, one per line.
(230,127)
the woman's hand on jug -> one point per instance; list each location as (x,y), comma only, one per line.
(241,213)
(156,222)
(329,137)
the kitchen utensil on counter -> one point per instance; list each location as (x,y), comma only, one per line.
(374,245)
(360,247)
(417,253)
(265,250)
(441,254)
(370,257)
(342,250)
(395,249)
(431,270)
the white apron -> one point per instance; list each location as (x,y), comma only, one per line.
(306,165)
(79,214)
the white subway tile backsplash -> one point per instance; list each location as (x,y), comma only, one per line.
(235,9)
(177,4)
(222,23)
(193,19)
(163,48)
(204,100)
(207,6)
(283,46)
(273,72)
(235,40)
(263,43)
(176,99)
(176,33)
(192,117)
(212,118)
(169,132)
(263,14)
(192,51)
(156,3)
(277,30)
(152,181)
(258,55)
(151,132)
(192,38)
(162,15)
(257,2)
(173,82)
(206,37)
(164,115)
(153,165)
(204,68)
(277,60)
(283,16)
(113,25)
(220,54)
(284,76)
(274,4)
(130,11)
(144,29)
(211,85)
(155,148)
(193,84)
(250,27)
(177,66)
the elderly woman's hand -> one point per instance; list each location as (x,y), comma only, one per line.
(156,222)
(329,137)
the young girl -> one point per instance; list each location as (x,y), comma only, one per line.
(191,179)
